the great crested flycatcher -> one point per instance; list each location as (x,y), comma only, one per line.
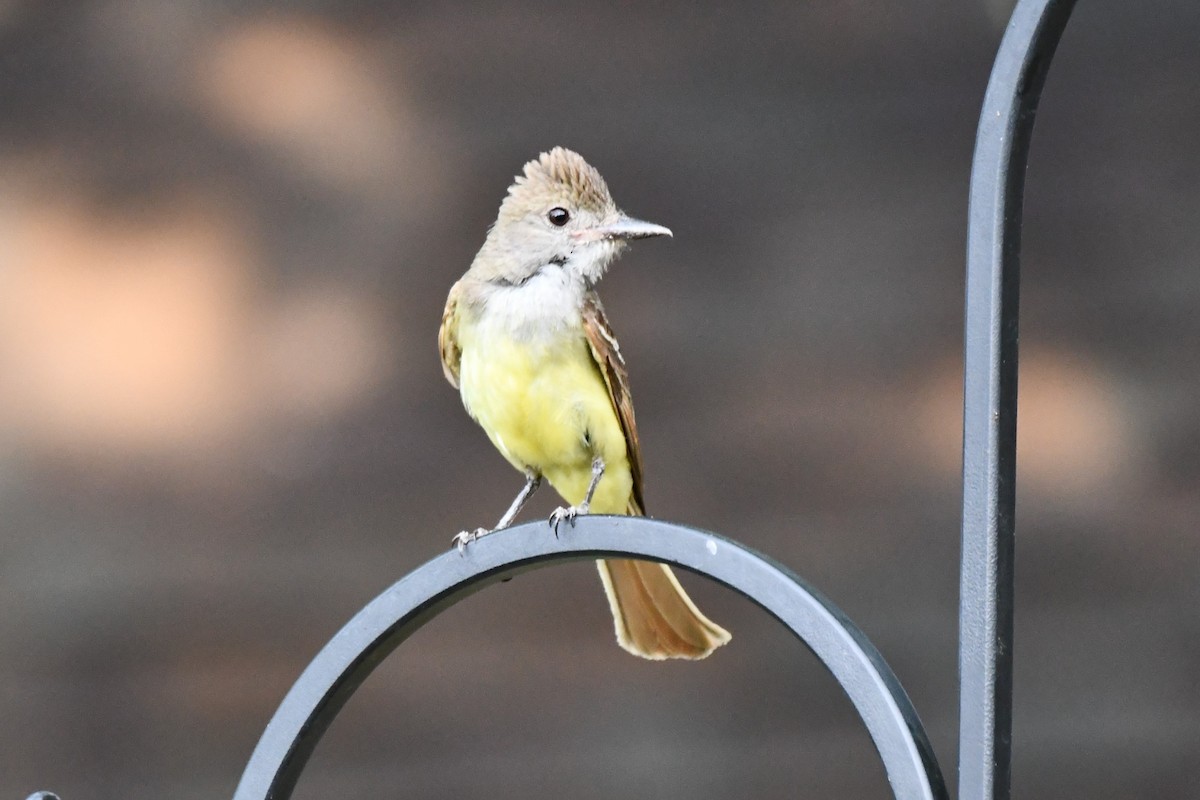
(525,340)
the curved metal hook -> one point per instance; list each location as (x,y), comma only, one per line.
(344,663)
(990,396)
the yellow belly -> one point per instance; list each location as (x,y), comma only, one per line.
(546,407)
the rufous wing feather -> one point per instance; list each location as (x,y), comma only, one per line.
(448,337)
(607,354)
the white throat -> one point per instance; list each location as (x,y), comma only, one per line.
(544,306)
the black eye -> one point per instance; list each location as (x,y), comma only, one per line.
(558,216)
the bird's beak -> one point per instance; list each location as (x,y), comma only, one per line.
(623,228)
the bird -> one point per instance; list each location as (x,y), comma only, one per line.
(526,342)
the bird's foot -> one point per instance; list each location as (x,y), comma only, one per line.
(464,538)
(568,515)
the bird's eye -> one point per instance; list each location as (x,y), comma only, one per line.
(558,216)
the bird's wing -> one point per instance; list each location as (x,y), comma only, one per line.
(607,354)
(448,337)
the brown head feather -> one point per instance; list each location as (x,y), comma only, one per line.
(560,175)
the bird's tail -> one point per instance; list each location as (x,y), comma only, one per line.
(654,617)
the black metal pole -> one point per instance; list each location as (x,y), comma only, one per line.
(990,397)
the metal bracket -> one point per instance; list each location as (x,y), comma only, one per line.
(389,619)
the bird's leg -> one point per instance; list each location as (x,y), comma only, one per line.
(532,481)
(569,514)
(597,474)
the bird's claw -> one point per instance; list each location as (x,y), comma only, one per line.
(464,538)
(568,515)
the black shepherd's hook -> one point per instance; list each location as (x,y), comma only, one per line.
(990,397)
(389,619)
(989,469)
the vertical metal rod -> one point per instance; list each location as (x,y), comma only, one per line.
(990,397)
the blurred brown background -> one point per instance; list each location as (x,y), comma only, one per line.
(226,234)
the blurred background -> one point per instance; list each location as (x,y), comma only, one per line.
(226,234)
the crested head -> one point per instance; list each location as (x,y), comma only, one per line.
(558,215)
(560,176)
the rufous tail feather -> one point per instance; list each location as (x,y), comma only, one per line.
(653,615)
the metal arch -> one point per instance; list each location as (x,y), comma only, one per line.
(373,633)
(990,396)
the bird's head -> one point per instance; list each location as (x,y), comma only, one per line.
(559,214)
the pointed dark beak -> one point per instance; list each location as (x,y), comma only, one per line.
(624,228)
